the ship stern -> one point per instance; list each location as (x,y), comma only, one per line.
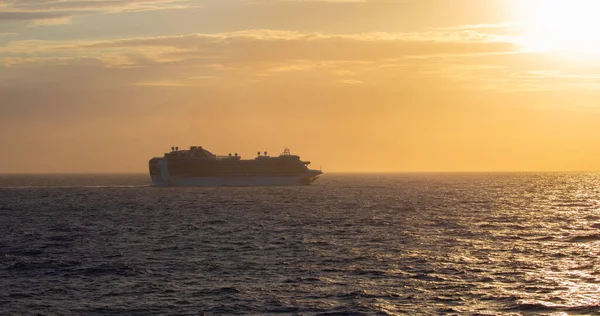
(155,171)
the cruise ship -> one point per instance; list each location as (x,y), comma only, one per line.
(199,167)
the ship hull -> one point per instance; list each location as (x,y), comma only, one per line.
(236,181)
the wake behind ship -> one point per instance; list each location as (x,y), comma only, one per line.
(199,167)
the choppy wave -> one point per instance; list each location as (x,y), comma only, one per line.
(585,238)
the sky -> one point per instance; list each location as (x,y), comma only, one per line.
(351,85)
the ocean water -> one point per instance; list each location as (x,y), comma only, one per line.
(397,244)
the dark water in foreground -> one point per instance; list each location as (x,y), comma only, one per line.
(413,244)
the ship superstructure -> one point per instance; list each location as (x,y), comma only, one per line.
(197,166)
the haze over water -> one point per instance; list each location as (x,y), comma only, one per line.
(372,244)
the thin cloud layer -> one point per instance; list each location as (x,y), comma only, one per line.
(95,5)
(41,10)
(28,16)
(260,55)
(464,56)
(270,45)
(470,56)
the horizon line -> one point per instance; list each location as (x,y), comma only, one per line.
(331,172)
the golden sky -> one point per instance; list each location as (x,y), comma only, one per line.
(372,85)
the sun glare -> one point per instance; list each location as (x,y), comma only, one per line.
(562,25)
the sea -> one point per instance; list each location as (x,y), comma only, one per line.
(348,244)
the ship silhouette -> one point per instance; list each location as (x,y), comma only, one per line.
(197,166)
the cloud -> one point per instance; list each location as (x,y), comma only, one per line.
(307,1)
(164,83)
(31,16)
(96,5)
(297,67)
(555,80)
(62,10)
(33,61)
(334,1)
